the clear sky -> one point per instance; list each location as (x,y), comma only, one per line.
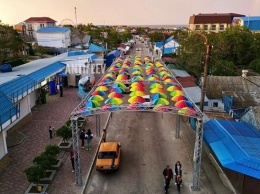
(122,12)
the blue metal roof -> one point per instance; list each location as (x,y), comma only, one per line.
(76,53)
(51,69)
(169,50)
(252,18)
(95,48)
(53,29)
(169,39)
(158,44)
(236,145)
(7,109)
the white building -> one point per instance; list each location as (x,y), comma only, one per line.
(57,37)
(35,23)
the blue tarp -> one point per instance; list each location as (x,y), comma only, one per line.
(95,48)
(236,145)
(111,56)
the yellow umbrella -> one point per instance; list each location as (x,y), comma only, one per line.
(156,85)
(157,90)
(137,72)
(101,88)
(137,93)
(137,88)
(176,93)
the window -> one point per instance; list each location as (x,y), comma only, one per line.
(205,27)
(221,27)
(213,27)
(29,26)
(215,104)
(197,27)
(41,25)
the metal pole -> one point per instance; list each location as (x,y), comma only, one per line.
(197,156)
(76,150)
(177,133)
(204,83)
(98,125)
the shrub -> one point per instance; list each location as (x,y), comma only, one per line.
(52,150)
(44,161)
(34,174)
(64,132)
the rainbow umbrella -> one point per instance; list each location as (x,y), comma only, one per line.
(170,80)
(165,77)
(136,75)
(136,99)
(118,90)
(139,84)
(96,98)
(100,93)
(162,101)
(157,90)
(187,111)
(153,75)
(137,93)
(136,106)
(109,107)
(137,88)
(137,78)
(115,95)
(121,77)
(153,79)
(119,85)
(162,107)
(113,68)
(178,98)
(183,103)
(92,104)
(101,88)
(172,88)
(176,93)
(116,101)
(137,69)
(156,85)
(124,73)
(158,95)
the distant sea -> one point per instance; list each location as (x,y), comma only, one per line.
(161,26)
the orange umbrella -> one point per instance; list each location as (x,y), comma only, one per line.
(172,88)
(136,99)
(137,84)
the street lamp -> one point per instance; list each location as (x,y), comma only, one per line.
(206,65)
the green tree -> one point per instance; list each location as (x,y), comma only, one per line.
(40,50)
(10,43)
(64,132)
(34,174)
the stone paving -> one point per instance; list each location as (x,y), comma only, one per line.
(35,138)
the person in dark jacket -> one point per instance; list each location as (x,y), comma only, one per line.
(72,157)
(82,137)
(89,137)
(168,175)
(177,170)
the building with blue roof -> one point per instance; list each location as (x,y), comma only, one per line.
(111,56)
(56,37)
(99,50)
(236,146)
(169,47)
(252,22)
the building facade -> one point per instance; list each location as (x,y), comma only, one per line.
(35,23)
(215,22)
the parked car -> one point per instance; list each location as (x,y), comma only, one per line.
(147,100)
(108,158)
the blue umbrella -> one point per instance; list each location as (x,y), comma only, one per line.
(118,90)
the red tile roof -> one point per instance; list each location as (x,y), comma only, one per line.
(187,82)
(213,18)
(39,19)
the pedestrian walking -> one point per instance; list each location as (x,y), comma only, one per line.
(72,157)
(82,137)
(89,137)
(104,136)
(179,183)
(51,129)
(177,170)
(168,175)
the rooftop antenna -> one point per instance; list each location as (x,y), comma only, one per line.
(76,22)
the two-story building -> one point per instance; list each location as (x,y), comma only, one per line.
(35,23)
(215,22)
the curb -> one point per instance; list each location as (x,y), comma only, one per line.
(94,158)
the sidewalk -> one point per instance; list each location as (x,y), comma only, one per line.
(33,137)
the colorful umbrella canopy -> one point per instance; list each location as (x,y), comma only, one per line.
(119,85)
(136,99)
(158,95)
(92,104)
(187,111)
(137,78)
(109,107)
(163,108)
(121,77)
(153,79)
(156,85)
(135,106)
(137,84)
(176,93)
(116,101)
(137,88)
(160,101)
(137,93)
(115,95)
(118,90)
(178,98)
(101,88)
(100,93)
(157,90)
(96,98)
(183,103)
(170,80)
(172,88)
(153,75)
(124,73)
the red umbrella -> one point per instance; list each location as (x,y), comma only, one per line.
(178,98)
(115,95)
(136,99)
(183,103)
